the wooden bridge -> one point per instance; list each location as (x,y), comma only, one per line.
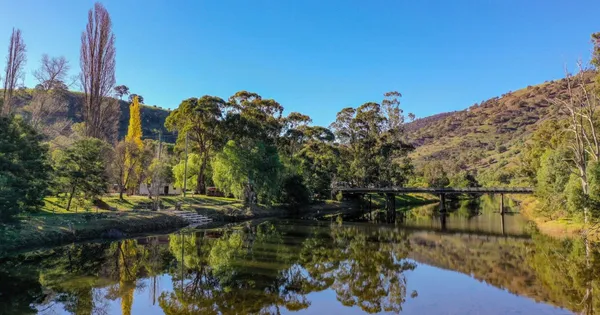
(390,193)
(437,191)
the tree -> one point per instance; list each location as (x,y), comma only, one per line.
(199,120)
(81,169)
(134,136)
(318,159)
(126,161)
(160,173)
(139,97)
(24,171)
(294,124)
(581,105)
(15,62)
(49,101)
(52,73)
(294,192)
(373,134)
(251,119)
(435,175)
(248,173)
(193,168)
(97,61)
(121,90)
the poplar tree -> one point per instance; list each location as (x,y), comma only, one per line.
(134,138)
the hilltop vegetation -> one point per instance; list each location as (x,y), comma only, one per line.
(153,117)
(489,138)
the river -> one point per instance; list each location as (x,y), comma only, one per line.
(473,261)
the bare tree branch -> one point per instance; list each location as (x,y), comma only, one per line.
(52,73)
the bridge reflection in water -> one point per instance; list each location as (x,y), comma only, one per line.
(392,214)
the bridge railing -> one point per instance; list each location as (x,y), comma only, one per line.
(526,190)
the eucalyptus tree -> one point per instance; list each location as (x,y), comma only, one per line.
(373,137)
(199,119)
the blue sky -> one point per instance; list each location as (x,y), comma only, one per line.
(317,57)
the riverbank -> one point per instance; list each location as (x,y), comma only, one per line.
(530,207)
(47,229)
(115,218)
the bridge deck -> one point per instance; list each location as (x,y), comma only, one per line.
(444,190)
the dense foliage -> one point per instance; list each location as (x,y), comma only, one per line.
(24,167)
(254,152)
(81,169)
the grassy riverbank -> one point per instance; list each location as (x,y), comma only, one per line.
(116,218)
(48,229)
(555,227)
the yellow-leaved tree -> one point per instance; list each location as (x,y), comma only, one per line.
(134,137)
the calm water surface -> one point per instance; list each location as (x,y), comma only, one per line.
(471,262)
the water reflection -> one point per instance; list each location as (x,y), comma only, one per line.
(281,266)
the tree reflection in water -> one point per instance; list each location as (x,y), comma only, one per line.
(266,268)
(260,270)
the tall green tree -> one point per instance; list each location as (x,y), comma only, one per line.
(199,119)
(251,119)
(318,159)
(373,139)
(24,170)
(81,169)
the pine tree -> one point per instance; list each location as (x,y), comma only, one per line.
(134,135)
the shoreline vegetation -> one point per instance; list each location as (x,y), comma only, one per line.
(561,227)
(116,218)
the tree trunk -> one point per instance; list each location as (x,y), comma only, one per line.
(200,186)
(585,189)
(70,197)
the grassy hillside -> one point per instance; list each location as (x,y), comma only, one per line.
(153,117)
(486,137)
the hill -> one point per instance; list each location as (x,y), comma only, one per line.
(153,117)
(488,137)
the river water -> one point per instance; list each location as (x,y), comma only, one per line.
(473,261)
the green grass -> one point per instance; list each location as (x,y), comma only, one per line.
(45,228)
(53,224)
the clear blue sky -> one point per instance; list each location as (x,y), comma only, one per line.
(316,56)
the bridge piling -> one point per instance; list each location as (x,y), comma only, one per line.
(391,207)
(442,203)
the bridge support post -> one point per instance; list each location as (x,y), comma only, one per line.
(370,207)
(502,225)
(391,207)
(443,221)
(501,203)
(442,202)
